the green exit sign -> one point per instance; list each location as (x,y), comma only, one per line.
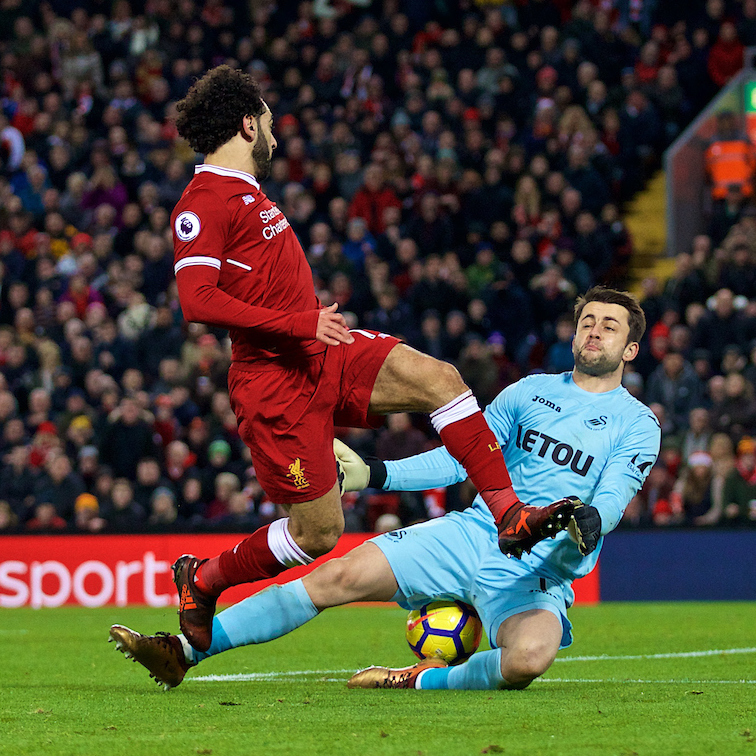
(749,99)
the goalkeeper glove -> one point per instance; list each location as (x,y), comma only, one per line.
(356,473)
(585,528)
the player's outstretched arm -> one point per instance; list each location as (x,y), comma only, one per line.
(431,469)
(332,328)
(203,302)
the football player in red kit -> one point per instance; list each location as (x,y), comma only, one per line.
(297,371)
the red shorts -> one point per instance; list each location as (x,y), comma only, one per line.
(287,412)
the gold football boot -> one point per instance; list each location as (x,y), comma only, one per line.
(383,677)
(161,654)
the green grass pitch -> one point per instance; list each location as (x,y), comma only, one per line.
(674,679)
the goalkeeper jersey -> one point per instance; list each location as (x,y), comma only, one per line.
(558,440)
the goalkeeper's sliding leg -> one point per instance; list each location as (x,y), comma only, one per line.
(364,574)
(528,635)
(527,645)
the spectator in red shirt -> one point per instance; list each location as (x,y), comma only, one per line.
(81,294)
(45,519)
(45,440)
(647,67)
(22,234)
(726,55)
(372,198)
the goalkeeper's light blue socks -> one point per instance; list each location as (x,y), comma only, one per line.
(280,609)
(481,672)
(269,614)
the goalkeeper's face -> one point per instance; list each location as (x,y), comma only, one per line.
(601,343)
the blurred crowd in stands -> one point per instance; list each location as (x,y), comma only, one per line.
(455,172)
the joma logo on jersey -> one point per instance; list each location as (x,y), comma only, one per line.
(297,473)
(546,403)
(561,454)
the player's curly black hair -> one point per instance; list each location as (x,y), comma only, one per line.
(213,109)
(635,316)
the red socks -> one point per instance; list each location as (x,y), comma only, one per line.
(467,437)
(248,561)
(266,553)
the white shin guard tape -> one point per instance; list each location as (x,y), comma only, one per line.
(457,409)
(188,650)
(283,546)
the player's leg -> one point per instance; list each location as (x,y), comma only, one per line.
(435,560)
(527,646)
(285,419)
(312,529)
(524,614)
(411,381)
(363,574)
(528,643)
(316,526)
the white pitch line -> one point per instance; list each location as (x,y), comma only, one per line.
(615,680)
(679,655)
(276,676)
(603,657)
(328,673)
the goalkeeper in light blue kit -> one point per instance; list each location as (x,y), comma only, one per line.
(579,434)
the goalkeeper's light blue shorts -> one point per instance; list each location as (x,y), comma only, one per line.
(457,557)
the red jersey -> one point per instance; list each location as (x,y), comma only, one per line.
(239,265)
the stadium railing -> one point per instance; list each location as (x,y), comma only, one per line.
(688,198)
